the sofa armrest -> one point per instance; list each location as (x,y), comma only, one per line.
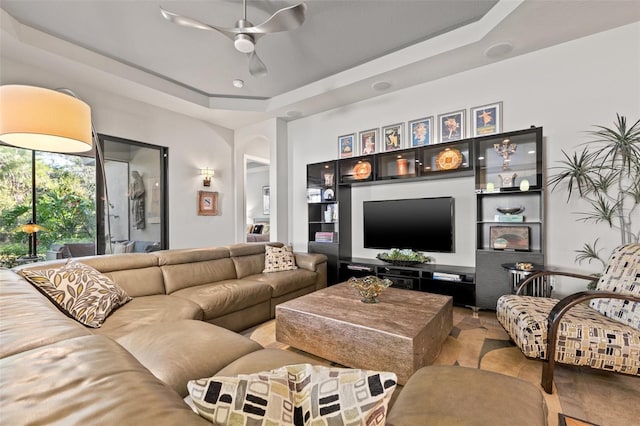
(310,261)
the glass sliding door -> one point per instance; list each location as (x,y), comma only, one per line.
(135,218)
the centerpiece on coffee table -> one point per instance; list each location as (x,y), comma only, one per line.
(369,287)
(404,257)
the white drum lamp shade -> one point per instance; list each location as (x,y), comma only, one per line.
(44,120)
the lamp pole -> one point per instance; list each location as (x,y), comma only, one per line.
(33,248)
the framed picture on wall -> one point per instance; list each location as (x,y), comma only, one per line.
(207,203)
(392,136)
(368,141)
(420,131)
(486,119)
(451,126)
(346,145)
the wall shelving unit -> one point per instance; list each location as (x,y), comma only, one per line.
(508,174)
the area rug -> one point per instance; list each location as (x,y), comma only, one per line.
(594,396)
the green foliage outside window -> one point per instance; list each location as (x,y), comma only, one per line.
(65,200)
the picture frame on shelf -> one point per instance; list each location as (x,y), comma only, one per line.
(392,137)
(207,203)
(368,141)
(452,126)
(509,238)
(346,145)
(421,131)
(486,119)
(314,195)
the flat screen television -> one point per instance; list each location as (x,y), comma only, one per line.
(420,224)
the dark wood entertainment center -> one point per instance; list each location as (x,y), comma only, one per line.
(456,281)
(501,180)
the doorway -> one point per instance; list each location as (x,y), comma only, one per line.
(257,199)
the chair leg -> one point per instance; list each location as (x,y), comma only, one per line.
(547,375)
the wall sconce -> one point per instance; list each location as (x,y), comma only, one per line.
(207,173)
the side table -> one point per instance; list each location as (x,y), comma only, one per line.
(540,287)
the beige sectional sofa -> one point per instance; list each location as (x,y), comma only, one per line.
(178,327)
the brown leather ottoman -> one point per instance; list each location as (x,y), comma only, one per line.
(446,395)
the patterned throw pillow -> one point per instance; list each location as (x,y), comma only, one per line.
(621,275)
(279,259)
(301,394)
(80,291)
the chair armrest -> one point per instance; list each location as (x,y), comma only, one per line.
(563,306)
(540,274)
(310,261)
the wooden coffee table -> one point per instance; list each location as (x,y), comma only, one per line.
(402,333)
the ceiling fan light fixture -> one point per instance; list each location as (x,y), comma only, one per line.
(238,83)
(244,43)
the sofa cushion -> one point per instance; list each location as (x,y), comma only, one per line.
(80,291)
(622,275)
(249,264)
(24,311)
(286,281)
(279,259)
(220,298)
(185,350)
(185,275)
(89,380)
(147,310)
(447,395)
(296,394)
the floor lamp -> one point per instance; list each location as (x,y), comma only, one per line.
(49,120)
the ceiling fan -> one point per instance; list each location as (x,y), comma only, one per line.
(245,34)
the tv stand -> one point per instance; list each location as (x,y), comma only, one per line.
(455,281)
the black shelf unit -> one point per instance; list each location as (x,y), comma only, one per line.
(455,281)
(328,229)
(512,164)
(518,184)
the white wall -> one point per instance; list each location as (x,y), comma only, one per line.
(193,144)
(566,89)
(256,180)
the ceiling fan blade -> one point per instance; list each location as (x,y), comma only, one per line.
(257,68)
(192,23)
(284,19)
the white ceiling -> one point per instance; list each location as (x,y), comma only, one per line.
(342,48)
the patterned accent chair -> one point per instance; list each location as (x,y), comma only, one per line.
(603,334)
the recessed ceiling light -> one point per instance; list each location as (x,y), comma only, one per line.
(498,49)
(238,83)
(381,85)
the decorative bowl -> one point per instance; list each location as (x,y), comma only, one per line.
(369,287)
(510,210)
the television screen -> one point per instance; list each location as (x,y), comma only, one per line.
(420,224)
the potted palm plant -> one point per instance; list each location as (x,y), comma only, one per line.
(606,174)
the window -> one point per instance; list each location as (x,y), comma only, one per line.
(58,192)
(61,187)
